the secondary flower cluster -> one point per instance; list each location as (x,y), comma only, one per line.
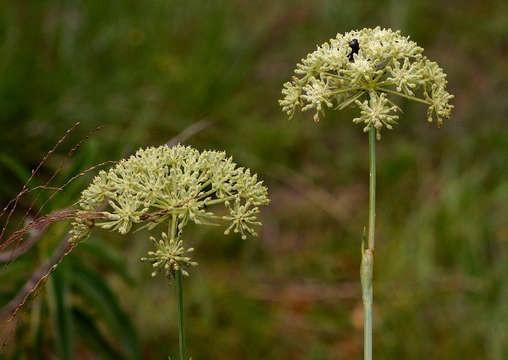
(374,62)
(172,185)
(169,256)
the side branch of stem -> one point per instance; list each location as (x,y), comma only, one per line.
(414,98)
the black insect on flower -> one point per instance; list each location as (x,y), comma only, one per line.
(355,47)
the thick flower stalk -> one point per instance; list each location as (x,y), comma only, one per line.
(368,69)
(378,64)
(172,187)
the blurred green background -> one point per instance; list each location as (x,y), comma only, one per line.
(147,70)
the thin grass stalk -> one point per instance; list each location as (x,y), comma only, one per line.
(366,270)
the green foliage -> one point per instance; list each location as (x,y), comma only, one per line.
(147,70)
(78,301)
(94,339)
(108,256)
(104,304)
(60,313)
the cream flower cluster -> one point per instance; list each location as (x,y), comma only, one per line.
(369,62)
(172,185)
(169,256)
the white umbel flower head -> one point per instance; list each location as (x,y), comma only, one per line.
(173,186)
(375,63)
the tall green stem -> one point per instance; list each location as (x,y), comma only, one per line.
(179,295)
(181,330)
(366,270)
(372,186)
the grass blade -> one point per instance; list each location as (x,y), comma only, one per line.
(102,299)
(60,314)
